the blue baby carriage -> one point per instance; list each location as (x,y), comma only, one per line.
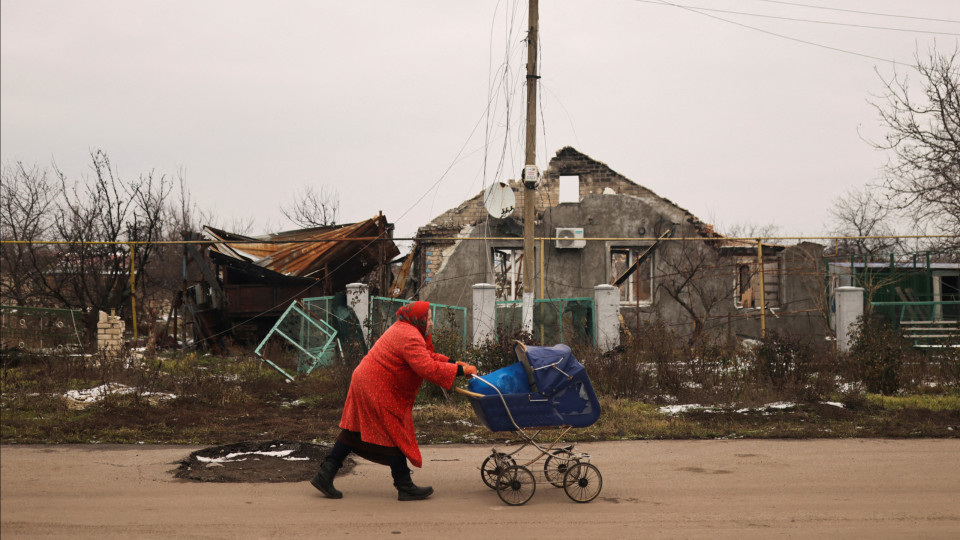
(547,388)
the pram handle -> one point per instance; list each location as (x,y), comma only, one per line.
(467,392)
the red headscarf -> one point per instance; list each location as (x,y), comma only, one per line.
(416,315)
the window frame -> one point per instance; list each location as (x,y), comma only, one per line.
(516,274)
(634,249)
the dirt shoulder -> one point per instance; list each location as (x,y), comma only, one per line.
(694,489)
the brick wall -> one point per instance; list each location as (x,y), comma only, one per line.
(594,178)
(110,333)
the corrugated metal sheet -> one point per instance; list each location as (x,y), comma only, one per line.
(311,252)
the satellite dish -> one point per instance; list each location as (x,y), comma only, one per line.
(499,200)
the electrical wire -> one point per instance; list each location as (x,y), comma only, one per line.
(859,12)
(794,19)
(775,34)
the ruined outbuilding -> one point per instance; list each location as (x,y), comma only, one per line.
(238,286)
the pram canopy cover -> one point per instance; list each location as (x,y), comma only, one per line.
(556,391)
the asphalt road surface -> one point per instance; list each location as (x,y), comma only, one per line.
(852,488)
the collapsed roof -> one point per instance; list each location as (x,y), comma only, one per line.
(341,253)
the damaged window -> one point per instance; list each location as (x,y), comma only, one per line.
(508,273)
(747,284)
(743,287)
(636,280)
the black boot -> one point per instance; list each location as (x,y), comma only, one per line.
(323,480)
(408,491)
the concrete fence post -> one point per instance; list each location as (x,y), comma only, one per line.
(606,301)
(484,313)
(358,299)
(849,308)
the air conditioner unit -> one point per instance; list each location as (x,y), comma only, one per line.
(570,238)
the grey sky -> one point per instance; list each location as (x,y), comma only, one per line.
(385,101)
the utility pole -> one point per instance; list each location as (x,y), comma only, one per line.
(530,169)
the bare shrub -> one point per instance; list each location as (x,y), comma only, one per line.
(646,365)
(717,373)
(947,365)
(794,368)
(877,355)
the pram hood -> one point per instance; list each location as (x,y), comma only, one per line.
(549,369)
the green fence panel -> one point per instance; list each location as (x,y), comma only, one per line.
(926,323)
(311,338)
(555,320)
(446,319)
(41,329)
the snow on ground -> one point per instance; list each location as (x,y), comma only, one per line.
(242,456)
(92,395)
(673,410)
(677,409)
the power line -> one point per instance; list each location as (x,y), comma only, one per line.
(768,32)
(860,12)
(813,21)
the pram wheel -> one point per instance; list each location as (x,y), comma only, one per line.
(583,482)
(493,466)
(557,464)
(516,485)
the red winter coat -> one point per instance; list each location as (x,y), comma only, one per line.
(384,386)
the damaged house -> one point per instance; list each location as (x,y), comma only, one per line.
(238,286)
(596,227)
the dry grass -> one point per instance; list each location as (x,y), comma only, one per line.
(225,400)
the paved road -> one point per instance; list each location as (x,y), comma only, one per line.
(651,489)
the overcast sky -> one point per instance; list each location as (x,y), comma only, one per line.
(386,102)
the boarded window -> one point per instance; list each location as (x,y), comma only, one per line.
(638,286)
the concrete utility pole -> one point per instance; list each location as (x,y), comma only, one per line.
(530,170)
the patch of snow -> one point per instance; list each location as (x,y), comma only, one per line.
(92,395)
(242,456)
(834,403)
(294,403)
(97,393)
(677,409)
(779,405)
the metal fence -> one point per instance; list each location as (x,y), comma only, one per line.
(449,320)
(41,329)
(556,320)
(302,332)
(903,312)
(927,324)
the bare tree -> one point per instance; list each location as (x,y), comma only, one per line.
(92,271)
(863,215)
(26,201)
(768,232)
(694,277)
(313,208)
(923,134)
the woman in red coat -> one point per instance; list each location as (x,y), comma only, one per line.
(377,421)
